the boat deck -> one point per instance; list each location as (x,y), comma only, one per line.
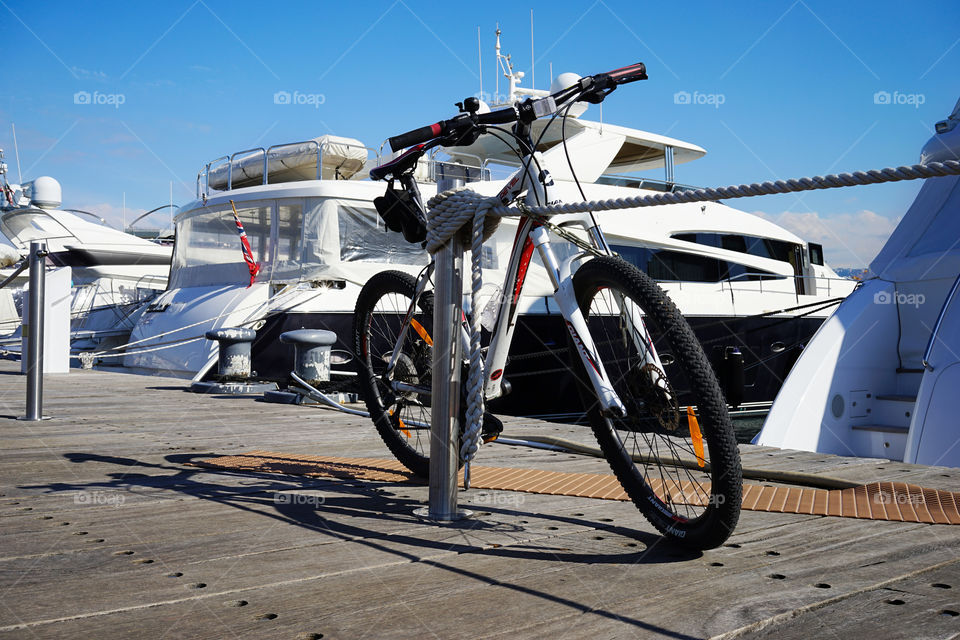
(109,531)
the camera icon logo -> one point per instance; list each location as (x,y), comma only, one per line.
(81,97)
(681,97)
(281,97)
(882,297)
(881,97)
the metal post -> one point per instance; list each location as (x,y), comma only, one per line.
(445,430)
(668,165)
(38,252)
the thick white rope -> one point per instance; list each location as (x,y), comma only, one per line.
(912,172)
(450,211)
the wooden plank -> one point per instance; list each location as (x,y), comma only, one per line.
(359,564)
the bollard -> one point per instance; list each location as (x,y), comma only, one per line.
(234,364)
(34,355)
(234,359)
(311,353)
(445,430)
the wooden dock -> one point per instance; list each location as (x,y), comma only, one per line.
(109,532)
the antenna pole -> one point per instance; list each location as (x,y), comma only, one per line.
(497,74)
(16,152)
(533,64)
(480,60)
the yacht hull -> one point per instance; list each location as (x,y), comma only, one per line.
(538,359)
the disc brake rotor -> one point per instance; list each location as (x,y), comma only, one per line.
(649,385)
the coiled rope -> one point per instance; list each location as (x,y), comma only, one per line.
(450,211)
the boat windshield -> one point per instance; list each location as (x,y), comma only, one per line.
(23,225)
(293,239)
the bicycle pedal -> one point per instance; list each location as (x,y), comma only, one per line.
(491,428)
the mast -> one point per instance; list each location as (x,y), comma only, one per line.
(480,61)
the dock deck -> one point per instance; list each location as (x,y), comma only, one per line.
(110,532)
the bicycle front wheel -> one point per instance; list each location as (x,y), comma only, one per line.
(398,400)
(674,451)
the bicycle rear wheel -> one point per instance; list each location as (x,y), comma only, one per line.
(674,451)
(401,416)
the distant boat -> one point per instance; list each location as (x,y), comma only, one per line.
(113,273)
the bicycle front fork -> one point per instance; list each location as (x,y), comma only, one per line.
(562,281)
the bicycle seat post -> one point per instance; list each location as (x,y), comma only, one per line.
(445,427)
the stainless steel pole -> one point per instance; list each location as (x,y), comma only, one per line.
(34,355)
(445,430)
(445,388)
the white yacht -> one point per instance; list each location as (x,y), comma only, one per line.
(881,376)
(753,291)
(113,273)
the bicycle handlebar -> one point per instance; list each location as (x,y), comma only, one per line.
(445,127)
(591,89)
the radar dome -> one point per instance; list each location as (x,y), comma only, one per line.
(44,192)
(563,81)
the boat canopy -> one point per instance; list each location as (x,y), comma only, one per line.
(924,245)
(325,157)
(293,239)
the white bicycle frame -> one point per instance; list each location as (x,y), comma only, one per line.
(532,235)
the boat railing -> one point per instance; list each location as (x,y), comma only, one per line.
(439,169)
(650,184)
(760,277)
(203,182)
(936,325)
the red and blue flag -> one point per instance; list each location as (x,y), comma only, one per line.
(252,264)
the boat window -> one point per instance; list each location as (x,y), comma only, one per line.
(753,245)
(208,248)
(364,238)
(32,224)
(688,267)
(816,253)
(289,229)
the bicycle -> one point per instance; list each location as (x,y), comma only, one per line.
(651,396)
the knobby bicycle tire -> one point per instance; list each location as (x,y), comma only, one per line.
(697,500)
(401,419)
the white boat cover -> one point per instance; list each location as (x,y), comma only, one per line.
(925,244)
(342,159)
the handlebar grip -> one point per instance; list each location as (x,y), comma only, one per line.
(416,136)
(631,73)
(501,116)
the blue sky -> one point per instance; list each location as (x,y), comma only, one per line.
(175,84)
